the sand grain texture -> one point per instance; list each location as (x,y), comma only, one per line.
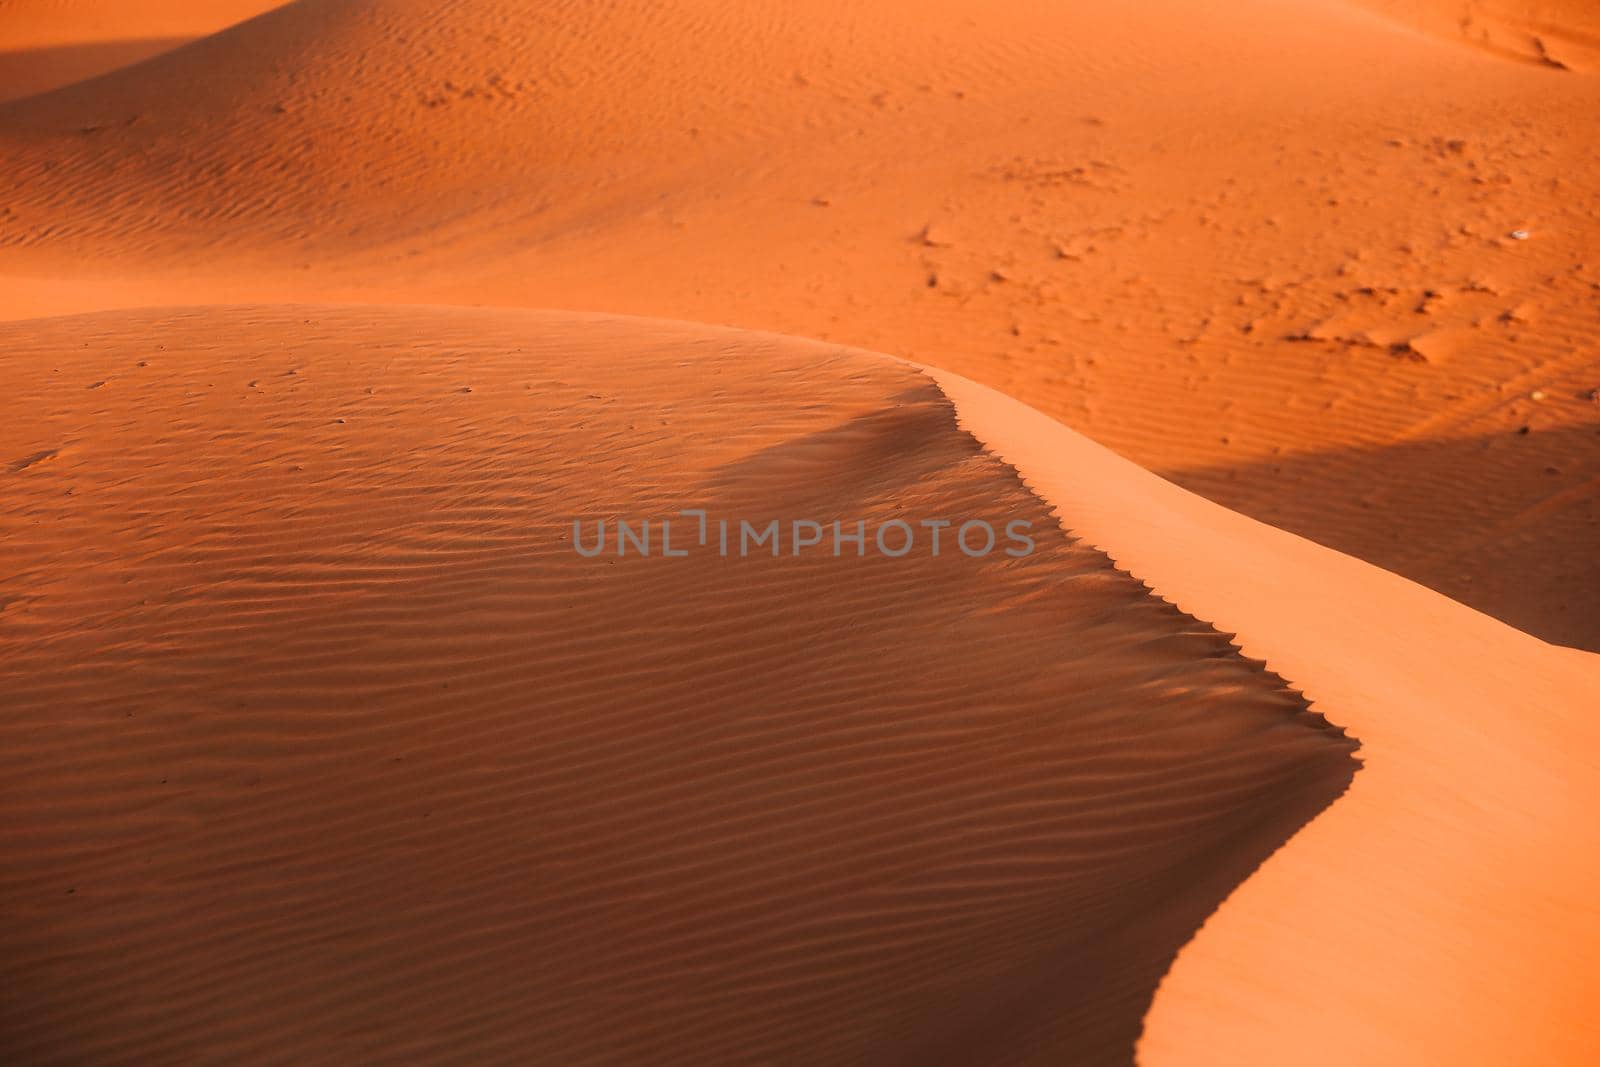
(47,44)
(322,743)
(1444,910)
(319,743)
(1262,248)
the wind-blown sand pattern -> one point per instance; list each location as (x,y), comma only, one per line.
(347,719)
(321,743)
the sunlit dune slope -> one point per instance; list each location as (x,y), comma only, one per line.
(45,44)
(322,743)
(1307,261)
(1447,908)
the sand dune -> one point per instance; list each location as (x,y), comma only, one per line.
(316,697)
(1209,236)
(1447,901)
(35,70)
(322,742)
(46,44)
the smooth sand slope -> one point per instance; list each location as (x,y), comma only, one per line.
(322,744)
(1445,909)
(318,743)
(45,44)
(1264,247)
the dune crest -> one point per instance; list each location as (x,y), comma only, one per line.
(1446,909)
(46,44)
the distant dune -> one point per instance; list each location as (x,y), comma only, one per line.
(1209,236)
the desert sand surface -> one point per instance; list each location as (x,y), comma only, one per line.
(45,44)
(1279,320)
(1263,248)
(1468,835)
(1562,34)
(316,699)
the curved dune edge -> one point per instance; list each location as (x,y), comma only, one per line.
(28,72)
(48,45)
(41,23)
(1444,910)
(318,742)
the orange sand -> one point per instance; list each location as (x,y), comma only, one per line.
(1204,234)
(46,44)
(317,698)
(1560,34)
(1444,910)
(1327,265)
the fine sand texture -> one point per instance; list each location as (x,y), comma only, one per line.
(324,739)
(1329,265)
(45,44)
(323,744)
(1444,910)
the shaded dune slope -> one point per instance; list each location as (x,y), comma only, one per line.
(1493,538)
(46,44)
(24,72)
(321,743)
(25,23)
(1217,238)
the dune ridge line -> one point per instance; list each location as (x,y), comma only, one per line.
(1454,709)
